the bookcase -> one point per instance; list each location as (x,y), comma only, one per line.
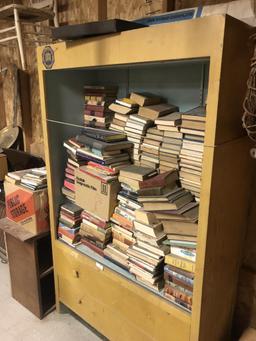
(189,63)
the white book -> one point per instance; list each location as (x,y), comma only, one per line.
(189,254)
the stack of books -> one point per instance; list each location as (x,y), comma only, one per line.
(170,147)
(146,257)
(105,147)
(73,162)
(33,179)
(150,108)
(150,148)
(69,223)
(136,127)
(97,101)
(191,156)
(179,283)
(95,233)
(179,275)
(156,111)
(122,108)
(180,227)
(122,239)
(124,214)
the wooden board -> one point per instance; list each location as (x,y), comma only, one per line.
(17,230)
(25,13)
(226,182)
(134,9)
(23,273)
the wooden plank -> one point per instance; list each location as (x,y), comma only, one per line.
(235,61)
(17,230)
(2,103)
(134,9)
(24,93)
(23,273)
(95,295)
(225,191)
(180,4)
(25,13)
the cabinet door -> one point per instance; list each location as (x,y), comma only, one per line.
(117,308)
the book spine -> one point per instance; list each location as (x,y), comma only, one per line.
(122,246)
(88,141)
(177,281)
(90,158)
(96,176)
(61,231)
(173,276)
(123,221)
(101,167)
(121,238)
(178,294)
(97,108)
(180,263)
(92,247)
(124,214)
(85,226)
(95,234)
(178,301)
(95,220)
(69,185)
(94,113)
(184,253)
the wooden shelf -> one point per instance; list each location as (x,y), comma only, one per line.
(185,62)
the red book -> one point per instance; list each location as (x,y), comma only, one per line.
(70,176)
(125,223)
(95,108)
(96,176)
(178,294)
(71,217)
(66,233)
(92,247)
(160,180)
(94,113)
(102,167)
(75,143)
(70,171)
(101,223)
(69,185)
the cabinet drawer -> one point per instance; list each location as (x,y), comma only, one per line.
(116,307)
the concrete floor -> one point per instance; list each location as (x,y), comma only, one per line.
(18,324)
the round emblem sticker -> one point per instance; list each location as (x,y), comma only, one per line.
(48,57)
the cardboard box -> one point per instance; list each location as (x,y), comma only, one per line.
(26,207)
(3,166)
(96,196)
